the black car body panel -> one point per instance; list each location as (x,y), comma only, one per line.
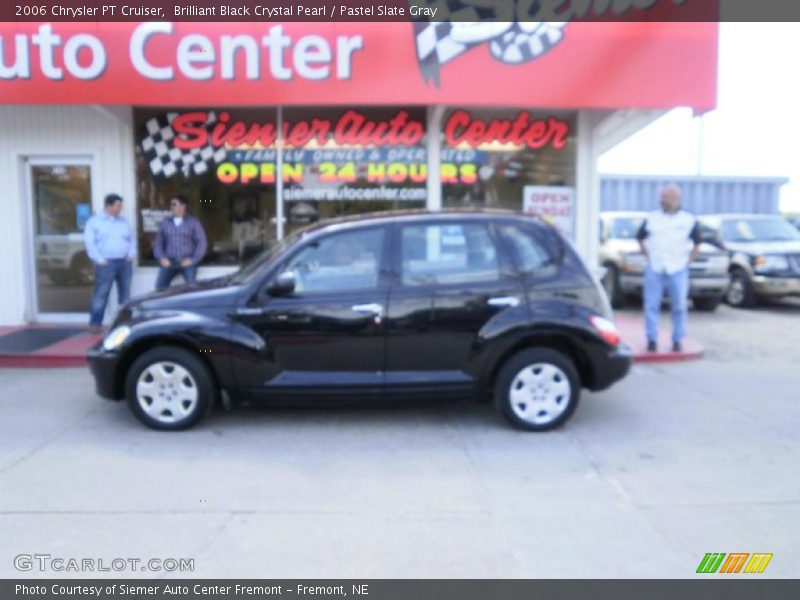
(389,339)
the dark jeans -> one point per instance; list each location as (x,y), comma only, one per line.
(119,270)
(167,274)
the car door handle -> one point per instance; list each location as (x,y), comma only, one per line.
(373,308)
(368,309)
(503,301)
(249,311)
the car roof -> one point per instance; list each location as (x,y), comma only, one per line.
(421,214)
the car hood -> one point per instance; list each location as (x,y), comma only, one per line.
(623,246)
(754,248)
(627,246)
(204,293)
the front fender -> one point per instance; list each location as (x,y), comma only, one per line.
(206,335)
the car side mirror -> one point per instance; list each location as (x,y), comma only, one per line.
(283,285)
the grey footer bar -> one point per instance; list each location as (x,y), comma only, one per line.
(706,588)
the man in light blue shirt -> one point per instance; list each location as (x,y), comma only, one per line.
(110,245)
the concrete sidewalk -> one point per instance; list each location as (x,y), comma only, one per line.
(675,461)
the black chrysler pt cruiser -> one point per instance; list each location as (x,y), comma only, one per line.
(396,305)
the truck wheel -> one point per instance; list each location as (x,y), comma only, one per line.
(169,388)
(707,304)
(612,286)
(537,389)
(82,270)
(60,278)
(740,292)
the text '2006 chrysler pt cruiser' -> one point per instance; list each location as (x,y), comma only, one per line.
(396,305)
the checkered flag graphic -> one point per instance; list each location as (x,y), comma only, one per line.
(165,160)
(473,22)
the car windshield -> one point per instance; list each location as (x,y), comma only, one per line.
(624,228)
(758,230)
(252,267)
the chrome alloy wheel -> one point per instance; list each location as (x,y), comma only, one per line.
(167,392)
(540,393)
(736,291)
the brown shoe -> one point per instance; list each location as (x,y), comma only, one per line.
(95,329)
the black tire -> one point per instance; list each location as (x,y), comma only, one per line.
(612,286)
(514,366)
(199,377)
(740,292)
(82,270)
(707,303)
(60,278)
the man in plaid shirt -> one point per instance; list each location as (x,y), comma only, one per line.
(179,246)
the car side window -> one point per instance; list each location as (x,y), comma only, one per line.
(531,254)
(342,261)
(448,254)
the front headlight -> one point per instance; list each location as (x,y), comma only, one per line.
(770,262)
(116,336)
(634,263)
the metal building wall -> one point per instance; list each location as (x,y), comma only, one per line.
(701,195)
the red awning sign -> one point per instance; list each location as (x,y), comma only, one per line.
(562,65)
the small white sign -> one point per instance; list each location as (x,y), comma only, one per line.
(553,203)
(151,219)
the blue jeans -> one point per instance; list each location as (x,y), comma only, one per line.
(117,269)
(167,274)
(678,288)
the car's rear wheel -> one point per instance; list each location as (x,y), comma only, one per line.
(740,292)
(537,389)
(707,304)
(169,388)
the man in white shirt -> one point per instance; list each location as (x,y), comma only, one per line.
(670,240)
(111,246)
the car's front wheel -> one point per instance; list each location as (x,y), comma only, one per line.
(537,389)
(169,388)
(740,292)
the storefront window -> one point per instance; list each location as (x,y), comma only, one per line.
(223,161)
(336,162)
(346,161)
(494,158)
(341,161)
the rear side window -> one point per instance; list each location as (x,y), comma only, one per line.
(448,254)
(535,255)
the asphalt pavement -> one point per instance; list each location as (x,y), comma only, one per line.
(675,461)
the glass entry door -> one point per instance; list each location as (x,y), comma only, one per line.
(61,203)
